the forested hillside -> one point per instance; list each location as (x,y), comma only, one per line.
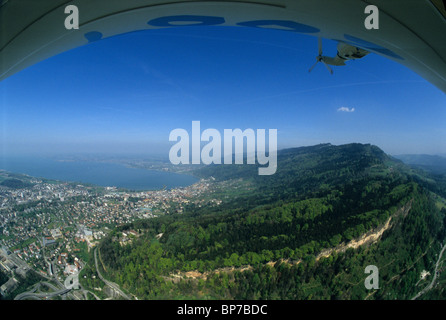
(266,243)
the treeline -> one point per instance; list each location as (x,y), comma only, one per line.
(410,247)
(282,230)
(401,255)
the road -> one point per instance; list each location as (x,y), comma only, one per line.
(32,295)
(113,285)
(434,279)
(62,289)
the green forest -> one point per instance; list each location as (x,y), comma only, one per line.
(265,242)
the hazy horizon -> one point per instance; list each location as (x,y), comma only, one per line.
(164,155)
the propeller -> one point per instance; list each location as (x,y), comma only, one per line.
(321,58)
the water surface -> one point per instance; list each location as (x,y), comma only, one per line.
(98,173)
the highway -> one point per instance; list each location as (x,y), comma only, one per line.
(32,295)
(113,285)
(62,289)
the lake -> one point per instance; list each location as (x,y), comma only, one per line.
(98,173)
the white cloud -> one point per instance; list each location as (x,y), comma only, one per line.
(345,109)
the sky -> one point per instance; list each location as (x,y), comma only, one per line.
(125,94)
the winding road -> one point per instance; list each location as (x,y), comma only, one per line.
(434,279)
(113,285)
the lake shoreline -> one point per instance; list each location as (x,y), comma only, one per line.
(98,173)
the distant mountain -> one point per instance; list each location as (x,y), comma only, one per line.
(433,163)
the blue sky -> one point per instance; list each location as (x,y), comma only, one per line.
(125,94)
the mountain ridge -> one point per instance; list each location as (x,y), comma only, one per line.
(320,197)
(433,163)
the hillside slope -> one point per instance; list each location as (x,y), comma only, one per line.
(266,242)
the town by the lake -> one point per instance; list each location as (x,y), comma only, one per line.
(48,229)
